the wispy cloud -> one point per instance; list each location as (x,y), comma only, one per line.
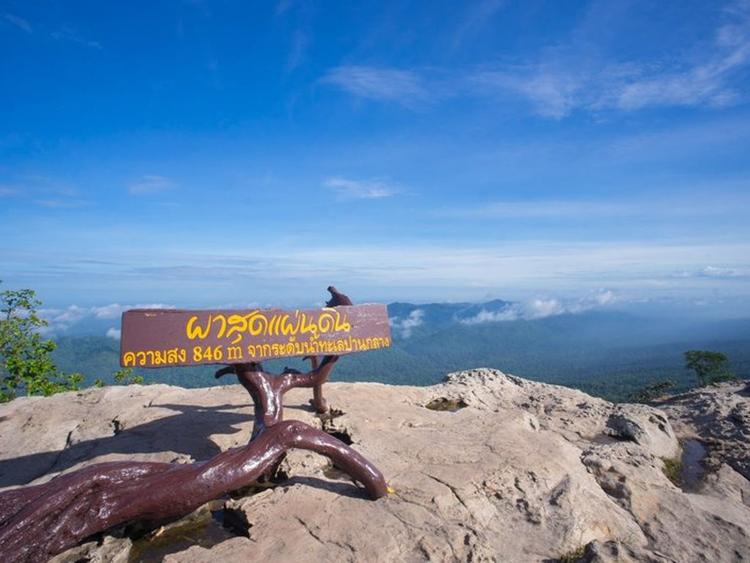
(510,313)
(542,209)
(686,205)
(385,84)
(43,192)
(406,269)
(715,272)
(564,80)
(361,189)
(151,184)
(282,6)
(569,77)
(405,327)
(67,33)
(61,203)
(17,21)
(300,42)
(553,93)
(477,15)
(114,333)
(704,82)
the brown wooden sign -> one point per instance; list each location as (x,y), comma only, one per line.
(154,338)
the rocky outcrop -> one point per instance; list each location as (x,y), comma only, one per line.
(719,416)
(485,467)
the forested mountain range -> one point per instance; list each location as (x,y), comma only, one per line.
(606,353)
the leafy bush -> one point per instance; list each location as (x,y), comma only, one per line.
(26,366)
(126,376)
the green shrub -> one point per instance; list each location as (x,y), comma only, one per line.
(125,376)
(26,365)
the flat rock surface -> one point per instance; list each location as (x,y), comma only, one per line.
(504,470)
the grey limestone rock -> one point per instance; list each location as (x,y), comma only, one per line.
(517,471)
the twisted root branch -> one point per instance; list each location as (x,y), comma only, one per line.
(39,521)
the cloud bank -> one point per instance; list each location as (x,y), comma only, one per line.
(62,320)
(540,308)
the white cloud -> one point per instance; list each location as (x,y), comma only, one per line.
(361,189)
(604,297)
(115,310)
(714,272)
(546,208)
(151,184)
(477,16)
(511,313)
(565,80)
(114,333)
(542,307)
(574,75)
(598,299)
(112,311)
(61,320)
(552,92)
(409,268)
(658,207)
(67,33)
(18,22)
(8,191)
(703,83)
(384,84)
(405,327)
(61,203)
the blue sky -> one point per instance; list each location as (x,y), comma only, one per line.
(214,153)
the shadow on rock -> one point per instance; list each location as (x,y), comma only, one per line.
(341,488)
(187,433)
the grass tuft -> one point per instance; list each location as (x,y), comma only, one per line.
(573,556)
(673,470)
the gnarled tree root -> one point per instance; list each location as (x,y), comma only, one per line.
(39,521)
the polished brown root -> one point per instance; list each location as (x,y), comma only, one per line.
(39,521)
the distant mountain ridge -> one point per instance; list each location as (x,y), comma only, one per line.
(605,352)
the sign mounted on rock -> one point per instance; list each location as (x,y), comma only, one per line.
(87,501)
(155,338)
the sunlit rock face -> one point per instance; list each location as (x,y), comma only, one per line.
(484,467)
